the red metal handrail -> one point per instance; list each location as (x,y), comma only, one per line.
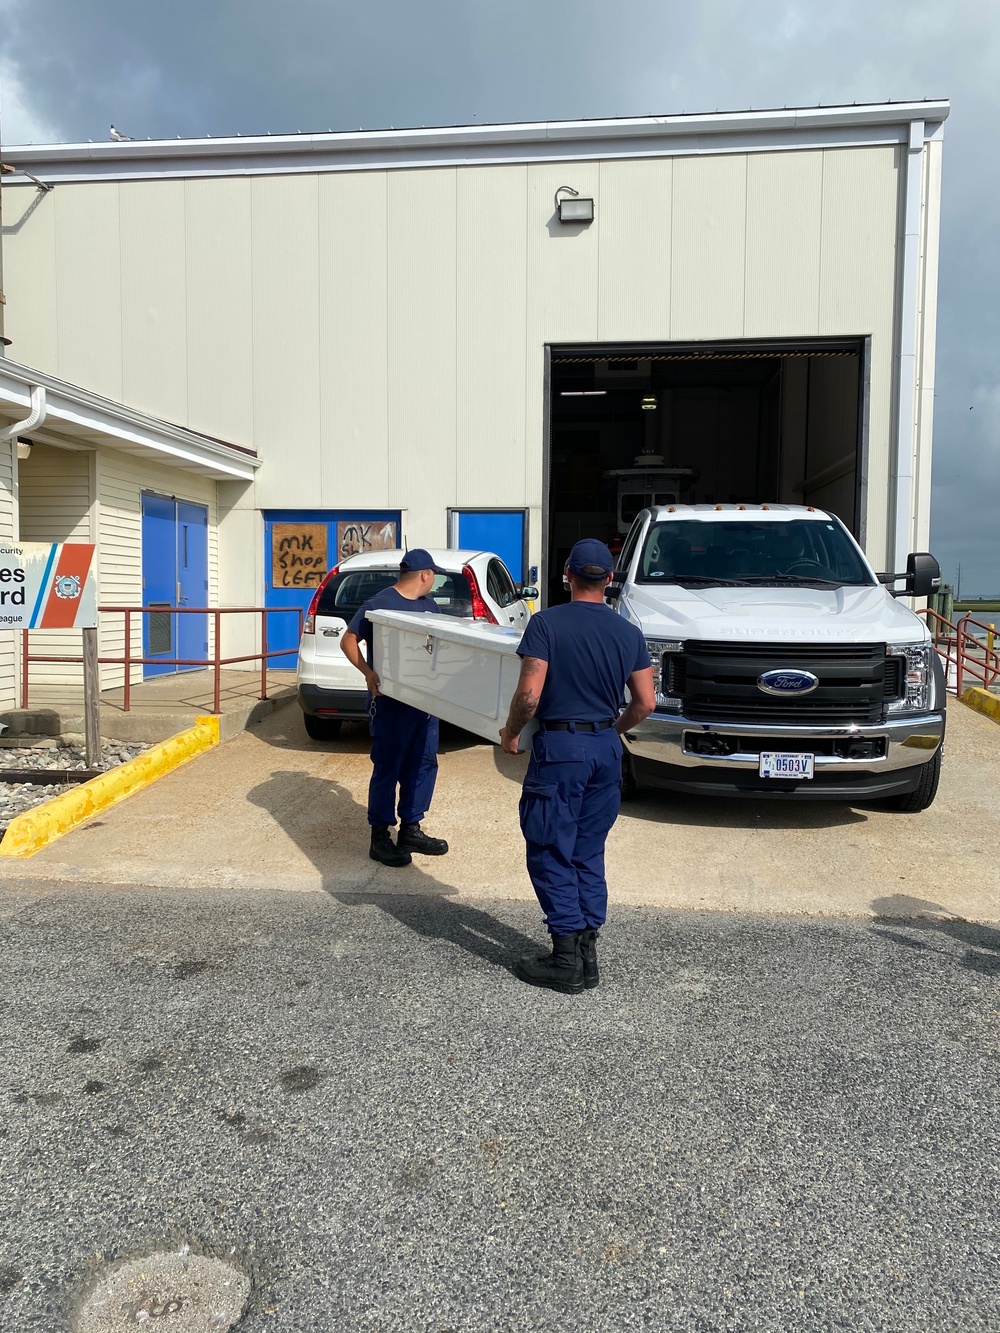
(127,660)
(955,644)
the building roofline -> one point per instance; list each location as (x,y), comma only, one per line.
(556,140)
(87,415)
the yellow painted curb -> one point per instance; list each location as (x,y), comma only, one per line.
(981,700)
(29,833)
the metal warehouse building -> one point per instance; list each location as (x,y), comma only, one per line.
(502,335)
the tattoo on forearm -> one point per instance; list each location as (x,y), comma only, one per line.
(528,693)
(522,710)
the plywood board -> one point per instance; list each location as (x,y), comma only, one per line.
(356,535)
(298,555)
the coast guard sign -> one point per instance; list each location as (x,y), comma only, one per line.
(47,586)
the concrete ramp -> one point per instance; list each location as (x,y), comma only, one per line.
(273,810)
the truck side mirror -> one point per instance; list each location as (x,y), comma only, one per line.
(614,589)
(923,574)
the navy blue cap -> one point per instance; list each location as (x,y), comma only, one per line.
(416,560)
(590,558)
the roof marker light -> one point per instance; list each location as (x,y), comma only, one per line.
(742,507)
(765,506)
(718,506)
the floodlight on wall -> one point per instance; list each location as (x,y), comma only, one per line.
(573,209)
(649,403)
(24,447)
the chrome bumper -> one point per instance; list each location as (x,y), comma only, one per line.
(910,742)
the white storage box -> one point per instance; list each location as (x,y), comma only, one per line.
(463,671)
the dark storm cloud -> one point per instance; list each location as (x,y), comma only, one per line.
(222,66)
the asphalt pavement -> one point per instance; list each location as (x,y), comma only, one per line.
(756,1123)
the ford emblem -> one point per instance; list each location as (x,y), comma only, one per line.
(787,682)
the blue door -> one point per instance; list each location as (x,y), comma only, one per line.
(174,573)
(192,580)
(300,545)
(498,530)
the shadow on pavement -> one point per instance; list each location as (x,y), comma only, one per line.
(441,918)
(917,914)
(331,828)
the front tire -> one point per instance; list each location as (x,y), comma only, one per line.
(923,794)
(629,786)
(322,728)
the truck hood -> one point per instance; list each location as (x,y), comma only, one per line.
(789,615)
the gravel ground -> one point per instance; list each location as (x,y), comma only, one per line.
(754,1124)
(64,752)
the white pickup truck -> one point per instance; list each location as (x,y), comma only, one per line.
(783,664)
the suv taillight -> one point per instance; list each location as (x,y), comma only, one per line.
(480,611)
(309,624)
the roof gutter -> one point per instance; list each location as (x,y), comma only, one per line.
(469,144)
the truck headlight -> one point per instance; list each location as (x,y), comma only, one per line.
(918,678)
(660,652)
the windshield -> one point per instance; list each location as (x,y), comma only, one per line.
(346,593)
(801,551)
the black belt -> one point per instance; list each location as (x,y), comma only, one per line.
(576,726)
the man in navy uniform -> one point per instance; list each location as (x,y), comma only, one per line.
(575,663)
(404,739)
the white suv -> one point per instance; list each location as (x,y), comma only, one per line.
(476,585)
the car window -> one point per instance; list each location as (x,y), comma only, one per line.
(499,584)
(452,594)
(781,551)
(346,593)
(628,550)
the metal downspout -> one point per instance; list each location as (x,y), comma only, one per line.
(34,418)
(909,312)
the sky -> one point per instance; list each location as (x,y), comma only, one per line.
(69,68)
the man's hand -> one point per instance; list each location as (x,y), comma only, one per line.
(508,741)
(351,648)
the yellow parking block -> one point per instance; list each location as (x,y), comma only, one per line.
(981,700)
(29,833)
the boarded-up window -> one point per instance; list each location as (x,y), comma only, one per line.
(298,555)
(356,535)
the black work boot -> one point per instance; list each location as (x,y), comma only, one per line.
(560,970)
(412,838)
(588,952)
(385,850)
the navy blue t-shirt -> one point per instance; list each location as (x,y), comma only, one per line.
(591,652)
(386,600)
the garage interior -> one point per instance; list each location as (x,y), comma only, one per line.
(734,423)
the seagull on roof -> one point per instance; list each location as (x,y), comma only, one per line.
(118,136)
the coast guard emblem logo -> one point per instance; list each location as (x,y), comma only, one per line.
(68,587)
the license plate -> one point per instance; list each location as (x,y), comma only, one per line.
(776,765)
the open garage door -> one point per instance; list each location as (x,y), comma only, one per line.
(700,423)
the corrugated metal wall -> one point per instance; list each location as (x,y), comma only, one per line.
(378,337)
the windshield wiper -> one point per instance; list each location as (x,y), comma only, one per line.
(701,578)
(800,579)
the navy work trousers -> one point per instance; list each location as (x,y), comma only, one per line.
(569,802)
(404,754)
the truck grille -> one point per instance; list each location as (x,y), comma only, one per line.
(718,682)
